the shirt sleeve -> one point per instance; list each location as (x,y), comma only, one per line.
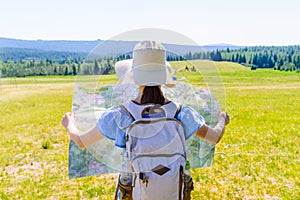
(190,119)
(112,124)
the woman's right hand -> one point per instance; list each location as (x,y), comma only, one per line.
(68,122)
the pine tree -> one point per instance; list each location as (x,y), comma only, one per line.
(237,58)
(66,71)
(96,67)
(296,61)
(78,68)
(74,72)
(218,56)
(255,60)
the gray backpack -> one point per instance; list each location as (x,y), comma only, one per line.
(155,146)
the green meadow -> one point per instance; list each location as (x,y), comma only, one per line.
(258,157)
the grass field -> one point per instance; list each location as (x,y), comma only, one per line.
(258,158)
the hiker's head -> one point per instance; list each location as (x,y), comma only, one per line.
(148,67)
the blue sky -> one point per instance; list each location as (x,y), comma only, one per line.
(255,22)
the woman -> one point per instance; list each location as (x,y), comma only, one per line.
(149,70)
(88,138)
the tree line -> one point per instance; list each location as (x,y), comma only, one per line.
(285,58)
(18,54)
(64,67)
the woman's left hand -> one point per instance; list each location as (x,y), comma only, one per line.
(225,116)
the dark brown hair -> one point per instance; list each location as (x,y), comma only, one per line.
(153,94)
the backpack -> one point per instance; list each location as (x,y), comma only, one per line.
(155,145)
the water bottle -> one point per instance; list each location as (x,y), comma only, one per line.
(187,169)
(126,175)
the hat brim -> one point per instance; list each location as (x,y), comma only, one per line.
(162,76)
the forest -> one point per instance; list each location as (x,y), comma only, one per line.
(284,58)
(29,62)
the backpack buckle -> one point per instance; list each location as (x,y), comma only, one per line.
(144,178)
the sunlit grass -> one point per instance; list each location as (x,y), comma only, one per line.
(258,158)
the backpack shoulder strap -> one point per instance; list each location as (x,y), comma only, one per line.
(172,109)
(134,109)
(122,107)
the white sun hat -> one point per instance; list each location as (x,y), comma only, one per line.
(148,66)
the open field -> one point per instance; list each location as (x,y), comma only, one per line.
(258,158)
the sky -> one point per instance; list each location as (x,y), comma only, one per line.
(237,22)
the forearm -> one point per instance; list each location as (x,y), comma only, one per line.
(215,134)
(223,131)
(76,138)
(91,136)
(84,139)
(212,135)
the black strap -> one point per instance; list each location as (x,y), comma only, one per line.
(177,111)
(118,187)
(180,182)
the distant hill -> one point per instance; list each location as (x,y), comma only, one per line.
(107,48)
(50,45)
